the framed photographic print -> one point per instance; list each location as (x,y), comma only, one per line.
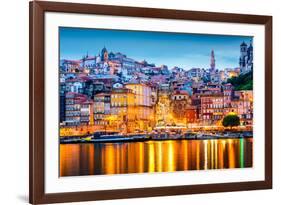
(138,102)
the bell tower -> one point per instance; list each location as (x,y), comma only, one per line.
(243,57)
(104,54)
(213,61)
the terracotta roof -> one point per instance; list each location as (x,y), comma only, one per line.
(103,94)
(212,95)
(121,90)
(76,95)
(180,92)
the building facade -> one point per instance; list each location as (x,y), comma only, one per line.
(122,107)
(212,108)
(246,57)
(78,109)
(143,104)
(180,102)
(101,108)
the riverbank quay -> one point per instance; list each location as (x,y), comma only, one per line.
(111,138)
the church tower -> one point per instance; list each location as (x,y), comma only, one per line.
(104,55)
(250,57)
(243,57)
(213,61)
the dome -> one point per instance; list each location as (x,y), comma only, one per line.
(103,50)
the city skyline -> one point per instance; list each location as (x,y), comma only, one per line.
(119,114)
(172,49)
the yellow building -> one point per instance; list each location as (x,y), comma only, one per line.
(181,101)
(163,109)
(123,107)
(143,106)
(142,93)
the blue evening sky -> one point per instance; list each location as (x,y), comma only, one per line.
(172,49)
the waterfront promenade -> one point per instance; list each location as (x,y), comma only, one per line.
(137,137)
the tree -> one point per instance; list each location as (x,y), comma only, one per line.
(231,120)
(243,81)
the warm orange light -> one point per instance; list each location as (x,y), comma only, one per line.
(151,159)
(171,155)
(159,157)
(231,154)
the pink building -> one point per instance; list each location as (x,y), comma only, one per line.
(212,107)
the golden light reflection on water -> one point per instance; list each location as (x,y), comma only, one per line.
(151,155)
(185,154)
(159,157)
(198,156)
(140,158)
(171,157)
(231,154)
(154,156)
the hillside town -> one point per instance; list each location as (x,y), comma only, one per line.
(112,92)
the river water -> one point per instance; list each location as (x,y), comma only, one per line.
(154,156)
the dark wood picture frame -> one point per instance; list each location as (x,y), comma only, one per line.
(37,193)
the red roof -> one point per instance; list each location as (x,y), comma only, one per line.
(77,96)
(103,94)
(180,92)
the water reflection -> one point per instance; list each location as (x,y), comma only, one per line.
(154,156)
